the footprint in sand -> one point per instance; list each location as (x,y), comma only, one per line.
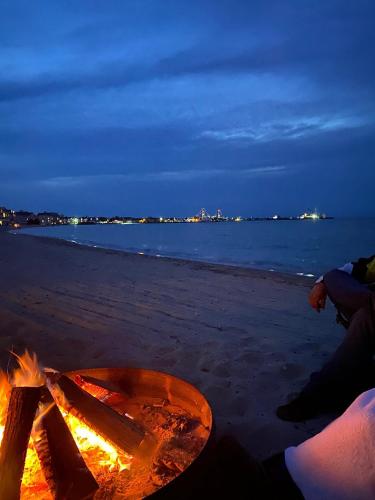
(215,393)
(163,350)
(168,362)
(74,343)
(234,330)
(264,383)
(221,371)
(291,370)
(251,357)
(308,347)
(240,406)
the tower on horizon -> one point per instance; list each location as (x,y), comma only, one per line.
(203,214)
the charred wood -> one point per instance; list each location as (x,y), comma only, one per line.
(23,402)
(120,430)
(65,470)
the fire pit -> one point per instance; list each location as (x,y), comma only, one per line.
(114,433)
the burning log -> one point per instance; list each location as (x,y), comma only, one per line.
(64,469)
(120,430)
(22,406)
(105,384)
(105,392)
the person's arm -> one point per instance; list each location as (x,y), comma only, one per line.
(318,296)
(344,285)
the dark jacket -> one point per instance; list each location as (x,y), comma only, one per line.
(351,287)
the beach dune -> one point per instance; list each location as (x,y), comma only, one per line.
(246,338)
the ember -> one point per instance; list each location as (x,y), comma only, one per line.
(99,434)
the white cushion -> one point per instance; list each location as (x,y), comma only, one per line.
(339,462)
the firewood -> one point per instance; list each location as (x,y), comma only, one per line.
(64,469)
(23,402)
(99,391)
(118,429)
(105,384)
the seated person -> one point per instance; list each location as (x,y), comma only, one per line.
(350,370)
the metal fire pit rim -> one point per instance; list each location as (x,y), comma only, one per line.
(179,486)
(136,368)
(78,371)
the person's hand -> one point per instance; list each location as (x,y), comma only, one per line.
(318,296)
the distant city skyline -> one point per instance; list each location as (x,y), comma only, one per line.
(157,108)
(218,213)
(202,213)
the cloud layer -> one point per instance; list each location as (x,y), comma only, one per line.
(256,107)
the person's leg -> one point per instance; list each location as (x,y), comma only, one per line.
(346,293)
(236,474)
(344,376)
(280,481)
(349,365)
(233,473)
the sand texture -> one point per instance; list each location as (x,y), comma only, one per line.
(246,338)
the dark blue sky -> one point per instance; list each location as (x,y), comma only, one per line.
(162,107)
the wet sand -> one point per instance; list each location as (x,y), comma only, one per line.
(246,338)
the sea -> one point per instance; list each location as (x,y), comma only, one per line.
(303,247)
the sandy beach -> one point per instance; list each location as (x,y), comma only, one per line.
(246,338)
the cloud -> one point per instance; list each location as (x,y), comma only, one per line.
(64,182)
(283,130)
(184,94)
(255,39)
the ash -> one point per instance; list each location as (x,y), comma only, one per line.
(180,436)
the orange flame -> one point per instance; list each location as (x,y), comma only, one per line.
(93,447)
(95,450)
(4,394)
(29,373)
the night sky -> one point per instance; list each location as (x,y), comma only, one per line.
(163,107)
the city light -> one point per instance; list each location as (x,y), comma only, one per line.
(14,219)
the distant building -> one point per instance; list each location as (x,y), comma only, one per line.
(203,215)
(22,217)
(312,215)
(50,218)
(5,213)
(88,220)
(82,220)
(5,216)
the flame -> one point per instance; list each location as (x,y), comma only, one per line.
(33,478)
(91,445)
(4,394)
(29,373)
(94,448)
(98,453)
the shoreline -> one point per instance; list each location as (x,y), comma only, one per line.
(245,338)
(139,253)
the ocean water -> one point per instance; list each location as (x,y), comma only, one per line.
(298,247)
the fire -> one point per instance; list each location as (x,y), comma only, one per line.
(92,446)
(95,450)
(29,373)
(32,479)
(4,394)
